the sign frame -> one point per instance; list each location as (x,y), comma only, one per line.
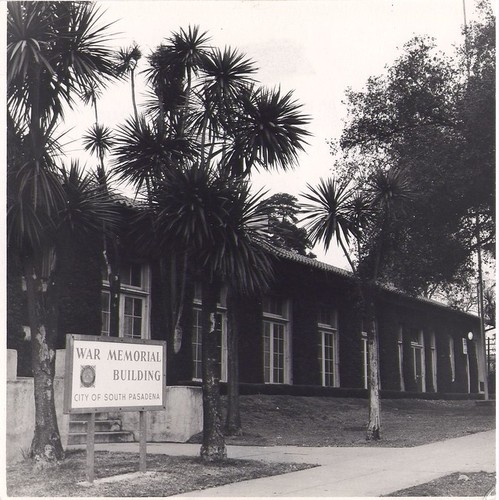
(69,365)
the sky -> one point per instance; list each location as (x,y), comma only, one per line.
(315,48)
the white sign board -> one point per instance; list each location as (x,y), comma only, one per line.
(109,373)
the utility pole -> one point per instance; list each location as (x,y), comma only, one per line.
(483,340)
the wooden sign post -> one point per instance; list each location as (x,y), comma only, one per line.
(114,374)
(91,448)
(143,440)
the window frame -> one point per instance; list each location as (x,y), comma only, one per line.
(142,293)
(325,330)
(418,348)
(274,321)
(452,359)
(222,312)
(433,359)
(400,352)
(105,313)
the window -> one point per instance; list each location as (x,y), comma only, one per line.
(131,275)
(220,331)
(452,359)
(433,360)
(273,351)
(221,298)
(400,345)
(467,362)
(328,317)
(417,346)
(328,335)
(105,312)
(274,306)
(196,344)
(276,348)
(133,302)
(133,316)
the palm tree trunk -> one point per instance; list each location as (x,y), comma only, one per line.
(46,444)
(134,103)
(347,255)
(94,103)
(179,307)
(113,261)
(213,447)
(374,426)
(233,419)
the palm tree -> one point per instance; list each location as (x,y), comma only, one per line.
(99,140)
(90,95)
(207,111)
(331,215)
(369,213)
(217,223)
(126,63)
(54,50)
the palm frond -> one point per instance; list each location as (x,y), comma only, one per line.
(271,129)
(238,258)
(188,208)
(82,50)
(126,60)
(329,216)
(98,140)
(189,47)
(225,74)
(54,50)
(362,211)
(91,93)
(172,64)
(89,208)
(217,222)
(143,152)
(34,198)
(389,188)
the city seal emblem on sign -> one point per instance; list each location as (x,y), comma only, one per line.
(87,376)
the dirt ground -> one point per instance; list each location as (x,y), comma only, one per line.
(166,475)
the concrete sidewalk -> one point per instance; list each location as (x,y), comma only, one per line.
(344,472)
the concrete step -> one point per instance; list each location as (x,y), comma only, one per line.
(108,429)
(102,437)
(76,426)
(83,417)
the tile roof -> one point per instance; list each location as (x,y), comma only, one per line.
(125,201)
(328,268)
(302,259)
(314,263)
